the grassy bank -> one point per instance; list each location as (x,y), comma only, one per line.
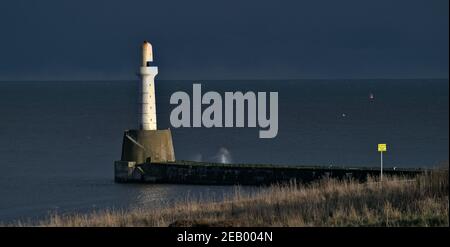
(397,202)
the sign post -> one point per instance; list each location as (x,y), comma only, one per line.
(382,148)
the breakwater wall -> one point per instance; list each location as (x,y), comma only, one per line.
(187,172)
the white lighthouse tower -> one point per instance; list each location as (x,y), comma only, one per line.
(147,89)
(146,144)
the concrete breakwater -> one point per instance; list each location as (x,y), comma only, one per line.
(188,172)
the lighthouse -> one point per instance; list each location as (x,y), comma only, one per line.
(147,89)
(146,144)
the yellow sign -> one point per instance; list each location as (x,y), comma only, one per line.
(382,147)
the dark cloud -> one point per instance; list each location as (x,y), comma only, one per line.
(225,39)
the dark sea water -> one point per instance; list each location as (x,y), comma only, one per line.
(58,140)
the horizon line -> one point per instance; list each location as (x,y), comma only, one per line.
(233,79)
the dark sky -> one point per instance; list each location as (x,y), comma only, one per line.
(87,39)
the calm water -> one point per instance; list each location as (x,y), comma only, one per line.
(58,140)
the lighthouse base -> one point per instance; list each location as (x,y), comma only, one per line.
(146,146)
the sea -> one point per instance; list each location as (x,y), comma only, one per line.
(59,139)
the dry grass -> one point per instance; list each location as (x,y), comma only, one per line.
(397,202)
